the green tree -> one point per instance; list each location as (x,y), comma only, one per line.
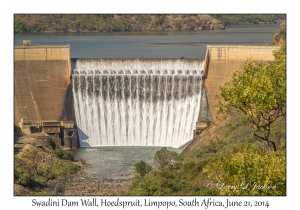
(280,36)
(19,27)
(142,168)
(260,92)
(164,158)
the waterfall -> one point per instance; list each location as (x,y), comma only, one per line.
(136,102)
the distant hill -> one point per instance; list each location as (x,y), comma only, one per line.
(111,23)
(26,23)
(240,19)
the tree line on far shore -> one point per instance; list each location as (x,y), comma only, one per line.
(40,23)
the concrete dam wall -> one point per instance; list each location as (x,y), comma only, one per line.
(222,60)
(125,101)
(42,89)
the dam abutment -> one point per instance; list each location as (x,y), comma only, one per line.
(41,81)
(221,61)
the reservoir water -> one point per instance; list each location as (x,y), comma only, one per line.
(114,161)
(189,44)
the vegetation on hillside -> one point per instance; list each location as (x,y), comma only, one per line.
(239,19)
(26,23)
(37,23)
(35,166)
(236,158)
(280,36)
(260,93)
(235,162)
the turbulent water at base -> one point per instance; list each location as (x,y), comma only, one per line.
(136,102)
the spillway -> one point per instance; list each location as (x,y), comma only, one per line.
(136,102)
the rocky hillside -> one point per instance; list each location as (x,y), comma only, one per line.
(38,23)
(111,23)
(239,19)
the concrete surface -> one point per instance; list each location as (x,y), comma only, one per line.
(42,83)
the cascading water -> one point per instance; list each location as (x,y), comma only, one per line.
(136,102)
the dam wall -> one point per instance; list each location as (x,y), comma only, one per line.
(222,60)
(125,102)
(42,87)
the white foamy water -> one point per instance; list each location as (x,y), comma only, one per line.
(132,102)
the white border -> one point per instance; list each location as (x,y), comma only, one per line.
(8,201)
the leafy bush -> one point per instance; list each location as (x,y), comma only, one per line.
(207,192)
(68,155)
(62,168)
(254,172)
(58,151)
(142,168)
(280,35)
(63,154)
(22,177)
(164,158)
(57,189)
(41,179)
(161,182)
(260,93)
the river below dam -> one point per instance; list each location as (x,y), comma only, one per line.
(116,161)
(107,171)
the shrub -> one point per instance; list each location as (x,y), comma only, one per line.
(57,189)
(62,168)
(164,158)
(142,168)
(22,177)
(63,154)
(250,168)
(58,151)
(68,155)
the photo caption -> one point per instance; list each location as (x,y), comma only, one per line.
(119,203)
